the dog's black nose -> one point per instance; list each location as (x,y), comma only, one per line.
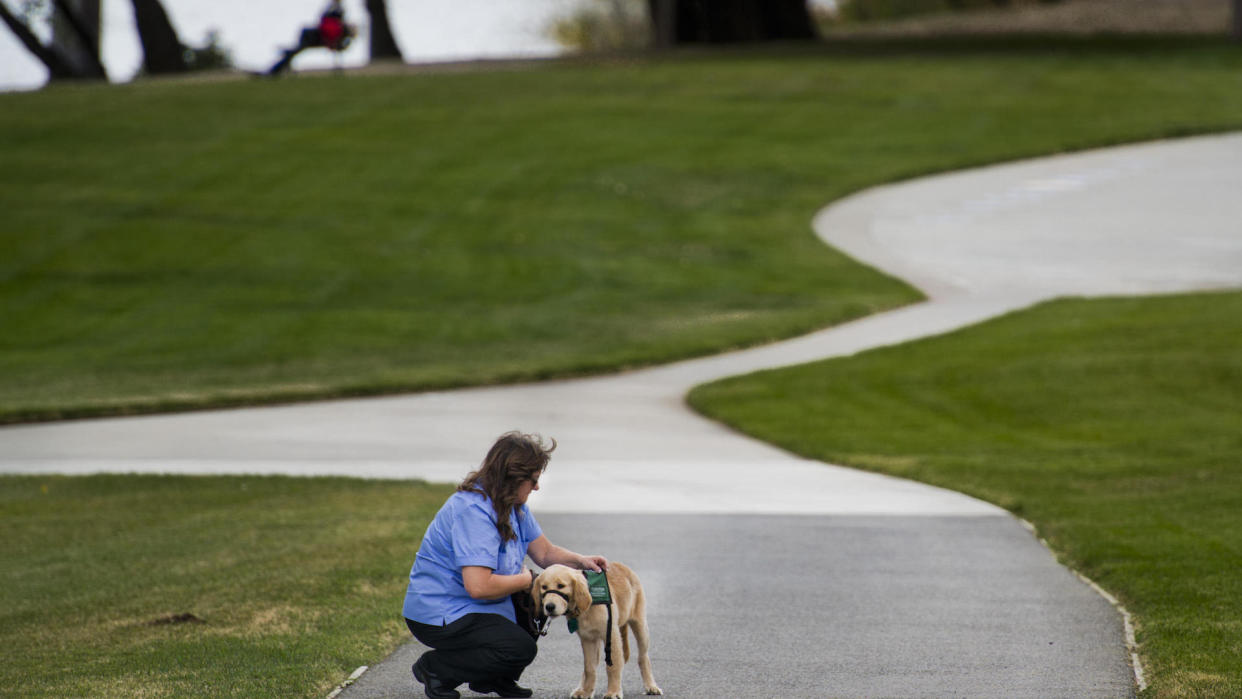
(550,607)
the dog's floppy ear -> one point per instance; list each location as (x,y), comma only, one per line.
(536,594)
(582,593)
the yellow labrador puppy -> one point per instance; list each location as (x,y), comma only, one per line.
(562,591)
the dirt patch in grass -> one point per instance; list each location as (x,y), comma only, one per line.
(183,618)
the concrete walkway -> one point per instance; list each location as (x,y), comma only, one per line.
(770,575)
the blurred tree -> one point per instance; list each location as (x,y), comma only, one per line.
(210,56)
(383,45)
(728,21)
(605,25)
(162,50)
(73,51)
(75,32)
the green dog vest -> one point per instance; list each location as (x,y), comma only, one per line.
(597,584)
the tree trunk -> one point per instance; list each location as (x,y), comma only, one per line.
(790,19)
(1237,20)
(663,19)
(383,45)
(161,48)
(727,21)
(75,35)
(57,67)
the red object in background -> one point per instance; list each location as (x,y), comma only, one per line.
(331,31)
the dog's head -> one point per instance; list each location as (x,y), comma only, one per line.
(561,591)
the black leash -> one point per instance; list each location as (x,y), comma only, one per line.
(608,639)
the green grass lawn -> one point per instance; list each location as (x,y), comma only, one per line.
(1114,425)
(174,245)
(170,245)
(292,583)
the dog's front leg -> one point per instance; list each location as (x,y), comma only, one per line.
(614,670)
(590,660)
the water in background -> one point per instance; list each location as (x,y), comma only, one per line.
(255,31)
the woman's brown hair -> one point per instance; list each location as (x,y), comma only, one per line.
(514,459)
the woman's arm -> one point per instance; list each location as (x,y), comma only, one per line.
(545,553)
(484,583)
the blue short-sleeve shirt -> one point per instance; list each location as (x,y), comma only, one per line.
(464,533)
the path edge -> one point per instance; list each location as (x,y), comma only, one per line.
(1132,645)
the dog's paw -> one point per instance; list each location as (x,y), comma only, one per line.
(654,690)
(618,695)
(581,693)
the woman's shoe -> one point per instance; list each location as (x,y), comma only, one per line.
(434,687)
(505,688)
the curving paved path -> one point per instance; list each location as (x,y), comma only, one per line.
(916,591)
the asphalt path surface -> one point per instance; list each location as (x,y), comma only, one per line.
(769,574)
(758,606)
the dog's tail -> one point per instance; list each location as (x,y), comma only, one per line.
(625,645)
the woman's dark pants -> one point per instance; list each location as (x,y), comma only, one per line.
(475,648)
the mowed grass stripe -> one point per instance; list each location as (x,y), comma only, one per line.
(187,245)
